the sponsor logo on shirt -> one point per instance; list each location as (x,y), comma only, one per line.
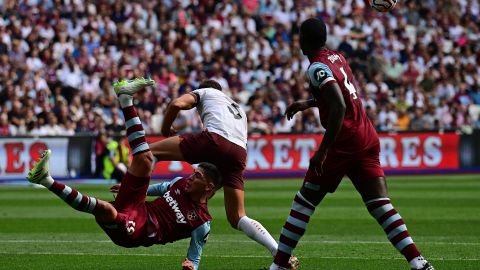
(192,215)
(174,205)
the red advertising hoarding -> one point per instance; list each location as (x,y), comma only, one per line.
(290,154)
(18,155)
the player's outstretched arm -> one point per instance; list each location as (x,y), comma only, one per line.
(197,241)
(184,102)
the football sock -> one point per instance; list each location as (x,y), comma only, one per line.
(392,223)
(135,132)
(257,232)
(293,229)
(47,181)
(125,101)
(72,197)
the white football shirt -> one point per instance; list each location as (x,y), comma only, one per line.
(221,115)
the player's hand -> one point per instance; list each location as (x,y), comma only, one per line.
(187,265)
(295,107)
(316,162)
(115,188)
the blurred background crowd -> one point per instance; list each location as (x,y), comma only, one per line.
(417,67)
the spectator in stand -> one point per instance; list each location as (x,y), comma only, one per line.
(403,121)
(404,58)
(311,123)
(5,126)
(418,123)
(393,71)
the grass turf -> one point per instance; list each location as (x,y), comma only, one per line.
(39,231)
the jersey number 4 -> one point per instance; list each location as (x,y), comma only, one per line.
(235,110)
(348,84)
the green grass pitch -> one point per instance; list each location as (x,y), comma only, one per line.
(442,213)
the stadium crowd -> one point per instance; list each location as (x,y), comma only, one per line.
(417,67)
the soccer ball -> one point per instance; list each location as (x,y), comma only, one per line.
(383,5)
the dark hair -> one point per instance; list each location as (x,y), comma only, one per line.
(212,173)
(314,31)
(210,84)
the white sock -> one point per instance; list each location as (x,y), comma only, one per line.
(125,100)
(418,262)
(257,232)
(47,181)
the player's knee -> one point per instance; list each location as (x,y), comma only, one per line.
(372,189)
(142,162)
(104,212)
(312,196)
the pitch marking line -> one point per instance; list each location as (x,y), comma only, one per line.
(222,256)
(245,241)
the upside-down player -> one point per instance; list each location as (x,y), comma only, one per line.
(223,142)
(179,212)
(350,147)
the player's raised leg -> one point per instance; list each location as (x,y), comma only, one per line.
(142,157)
(39,174)
(303,207)
(374,194)
(167,149)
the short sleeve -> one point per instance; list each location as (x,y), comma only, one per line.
(319,74)
(160,188)
(199,94)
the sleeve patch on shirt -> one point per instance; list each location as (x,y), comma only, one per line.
(319,74)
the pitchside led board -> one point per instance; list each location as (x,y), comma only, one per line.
(268,156)
(289,155)
(17,155)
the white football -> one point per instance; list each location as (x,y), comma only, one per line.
(383,5)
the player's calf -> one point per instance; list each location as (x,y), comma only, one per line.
(39,174)
(392,223)
(104,212)
(293,230)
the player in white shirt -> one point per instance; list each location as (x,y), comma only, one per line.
(223,142)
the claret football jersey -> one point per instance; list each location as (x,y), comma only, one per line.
(221,115)
(177,215)
(357,132)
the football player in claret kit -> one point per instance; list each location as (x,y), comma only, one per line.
(223,142)
(350,147)
(180,211)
